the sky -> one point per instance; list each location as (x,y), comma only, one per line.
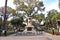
(49,4)
(10,3)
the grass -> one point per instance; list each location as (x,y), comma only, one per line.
(51,31)
(8,33)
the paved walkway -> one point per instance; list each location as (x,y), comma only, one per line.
(43,36)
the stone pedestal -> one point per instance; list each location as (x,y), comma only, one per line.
(29,27)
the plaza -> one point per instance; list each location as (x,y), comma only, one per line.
(30,20)
(44,36)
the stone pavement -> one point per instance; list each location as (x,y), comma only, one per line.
(43,36)
(25,38)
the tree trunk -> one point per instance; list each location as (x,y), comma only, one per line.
(5,28)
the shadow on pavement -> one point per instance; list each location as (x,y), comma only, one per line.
(48,38)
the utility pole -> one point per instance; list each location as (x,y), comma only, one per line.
(4,25)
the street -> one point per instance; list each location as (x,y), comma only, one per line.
(44,36)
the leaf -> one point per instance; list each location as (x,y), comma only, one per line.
(13,12)
(16,2)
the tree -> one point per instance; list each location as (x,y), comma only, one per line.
(51,13)
(18,23)
(56,16)
(17,2)
(31,2)
(13,11)
(6,10)
(39,17)
(30,8)
(27,9)
(5,28)
(41,8)
(9,12)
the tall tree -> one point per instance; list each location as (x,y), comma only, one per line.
(29,8)
(51,13)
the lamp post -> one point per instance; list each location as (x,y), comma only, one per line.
(4,25)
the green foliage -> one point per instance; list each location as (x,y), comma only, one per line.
(41,4)
(28,9)
(13,12)
(51,18)
(35,1)
(0,21)
(46,24)
(23,25)
(51,31)
(22,6)
(8,9)
(17,21)
(8,33)
(51,13)
(16,2)
(56,16)
(39,17)
(19,1)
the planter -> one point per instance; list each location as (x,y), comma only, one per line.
(58,33)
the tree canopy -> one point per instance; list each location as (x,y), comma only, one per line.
(17,21)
